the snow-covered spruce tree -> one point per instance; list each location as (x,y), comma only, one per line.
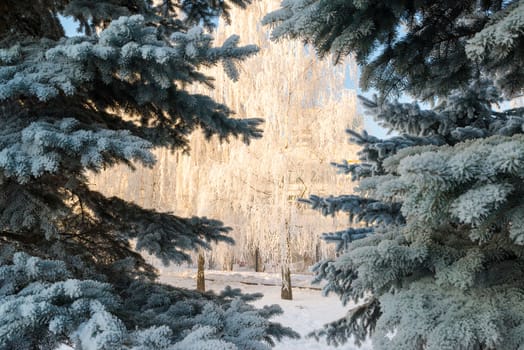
(440,264)
(69,271)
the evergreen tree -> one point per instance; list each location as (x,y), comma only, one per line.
(69,268)
(440,263)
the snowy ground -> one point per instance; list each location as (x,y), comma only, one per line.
(308,310)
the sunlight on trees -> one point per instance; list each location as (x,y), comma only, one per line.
(306,108)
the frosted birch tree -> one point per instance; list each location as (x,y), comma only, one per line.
(304,102)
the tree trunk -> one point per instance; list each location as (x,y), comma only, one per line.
(258,260)
(201,282)
(228,262)
(286,291)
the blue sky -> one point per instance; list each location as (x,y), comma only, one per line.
(69,26)
(370,125)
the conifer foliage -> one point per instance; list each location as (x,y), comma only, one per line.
(69,271)
(440,264)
